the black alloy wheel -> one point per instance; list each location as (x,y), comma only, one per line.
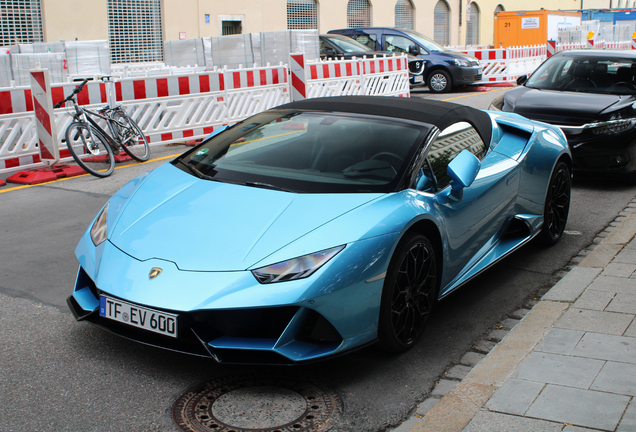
(409,293)
(557,205)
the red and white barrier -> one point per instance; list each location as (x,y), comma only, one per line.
(506,64)
(168,108)
(176,108)
(298,77)
(551,48)
(488,54)
(386,75)
(19,100)
(45,122)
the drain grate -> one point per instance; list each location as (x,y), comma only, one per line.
(257,403)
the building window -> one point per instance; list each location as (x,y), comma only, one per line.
(358,13)
(302,14)
(134,31)
(441,24)
(498,9)
(472,25)
(404,16)
(20,21)
(231,27)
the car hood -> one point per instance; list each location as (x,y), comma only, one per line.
(564,108)
(203,225)
(455,54)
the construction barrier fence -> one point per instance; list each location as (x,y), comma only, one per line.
(178,108)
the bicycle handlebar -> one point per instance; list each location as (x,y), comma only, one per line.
(76,91)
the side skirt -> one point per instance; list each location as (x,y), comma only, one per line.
(520,231)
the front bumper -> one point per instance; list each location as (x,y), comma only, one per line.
(465,75)
(602,154)
(275,335)
(229,316)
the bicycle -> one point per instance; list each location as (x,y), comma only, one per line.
(92,147)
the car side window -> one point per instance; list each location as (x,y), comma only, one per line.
(448,144)
(366,39)
(397,43)
(324,46)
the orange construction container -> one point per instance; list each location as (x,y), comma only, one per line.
(523,28)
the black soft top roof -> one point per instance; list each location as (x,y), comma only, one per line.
(438,113)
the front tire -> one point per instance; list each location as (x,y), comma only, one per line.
(557,205)
(409,293)
(90,149)
(439,81)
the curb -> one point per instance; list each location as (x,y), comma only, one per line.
(458,407)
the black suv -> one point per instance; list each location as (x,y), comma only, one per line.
(443,69)
(335,45)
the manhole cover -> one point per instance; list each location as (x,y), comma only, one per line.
(267,404)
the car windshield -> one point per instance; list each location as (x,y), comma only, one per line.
(349,45)
(309,152)
(427,43)
(575,73)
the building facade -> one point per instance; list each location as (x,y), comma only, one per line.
(136,29)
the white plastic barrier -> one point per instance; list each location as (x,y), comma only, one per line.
(387,75)
(506,64)
(597,44)
(18,135)
(168,109)
(177,108)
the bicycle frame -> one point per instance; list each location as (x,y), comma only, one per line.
(85,115)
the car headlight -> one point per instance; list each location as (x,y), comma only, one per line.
(415,67)
(296,268)
(460,62)
(99,230)
(613,127)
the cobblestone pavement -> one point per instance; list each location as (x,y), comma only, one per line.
(565,362)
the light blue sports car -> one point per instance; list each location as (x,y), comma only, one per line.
(319,227)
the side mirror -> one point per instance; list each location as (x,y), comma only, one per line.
(414,50)
(463,171)
(522,79)
(330,52)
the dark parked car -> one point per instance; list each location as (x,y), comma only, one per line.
(591,96)
(443,69)
(333,45)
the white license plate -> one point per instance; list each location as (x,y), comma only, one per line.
(138,316)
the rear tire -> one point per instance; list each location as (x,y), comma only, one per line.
(91,150)
(131,137)
(557,205)
(409,293)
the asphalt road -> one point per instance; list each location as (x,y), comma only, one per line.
(58,374)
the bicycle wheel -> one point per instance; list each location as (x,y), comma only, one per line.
(131,137)
(90,149)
